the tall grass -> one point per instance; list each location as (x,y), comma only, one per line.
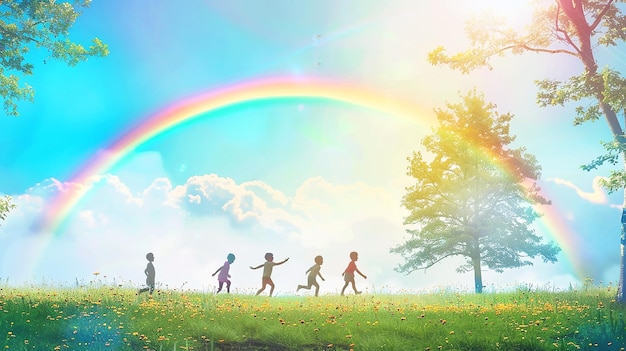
(114,318)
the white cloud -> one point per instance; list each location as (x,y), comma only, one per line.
(191,228)
(597,196)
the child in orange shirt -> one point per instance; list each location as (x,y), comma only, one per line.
(348,274)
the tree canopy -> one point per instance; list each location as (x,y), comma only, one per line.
(34,24)
(473,195)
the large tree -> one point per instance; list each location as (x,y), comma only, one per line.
(40,25)
(575,28)
(473,195)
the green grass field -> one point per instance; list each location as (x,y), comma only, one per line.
(115,318)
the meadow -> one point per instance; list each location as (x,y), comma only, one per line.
(116,318)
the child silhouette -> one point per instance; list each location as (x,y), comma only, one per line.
(224,275)
(313,272)
(150,274)
(267,272)
(348,274)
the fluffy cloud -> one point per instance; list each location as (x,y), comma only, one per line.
(191,227)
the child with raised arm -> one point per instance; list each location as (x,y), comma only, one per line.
(348,274)
(150,274)
(313,272)
(224,275)
(267,272)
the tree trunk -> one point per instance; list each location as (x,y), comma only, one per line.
(620,286)
(478,274)
(622,260)
(574,10)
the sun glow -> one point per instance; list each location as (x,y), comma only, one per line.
(515,13)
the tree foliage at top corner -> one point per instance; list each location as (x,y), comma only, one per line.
(37,24)
(473,195)
(6,205)
(580,29)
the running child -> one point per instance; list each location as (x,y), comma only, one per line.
(150,274)
(348,274)
(224,273)
(313,272)
(267,272)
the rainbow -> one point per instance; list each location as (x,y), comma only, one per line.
(563,233)
(268,89)
(198,105)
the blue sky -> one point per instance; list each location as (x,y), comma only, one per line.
(296,178)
